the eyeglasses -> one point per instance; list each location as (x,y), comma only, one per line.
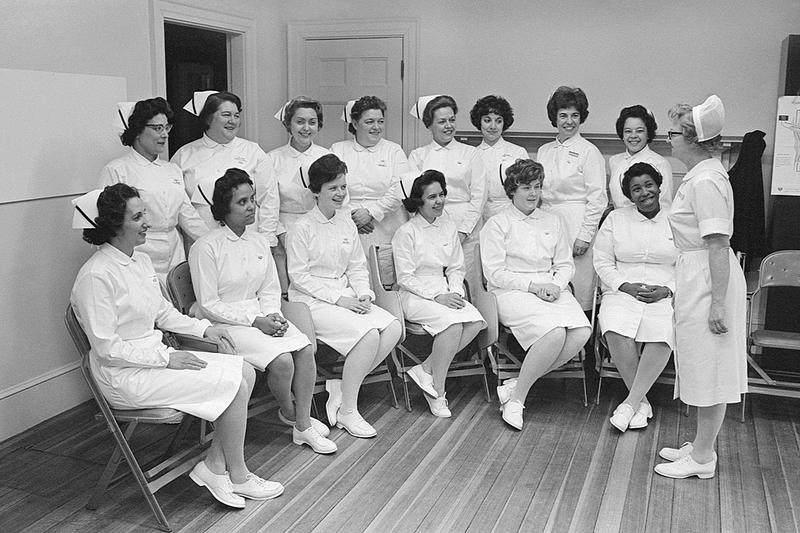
(159,128)
(671,134)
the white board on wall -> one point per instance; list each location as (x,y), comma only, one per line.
(58,132)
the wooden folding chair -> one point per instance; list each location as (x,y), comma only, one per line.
(471,360)
(151,477)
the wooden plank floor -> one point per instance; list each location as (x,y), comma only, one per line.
(568,470)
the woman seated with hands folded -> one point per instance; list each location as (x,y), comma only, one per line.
(118,302)
(328,272)
(634,256)
(527,261)
(430,272)
(236,284)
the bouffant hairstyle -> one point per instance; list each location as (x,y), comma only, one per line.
(111,206)
(143,112)
(223,191)
(636,170)
(681,114)
(213,103)
(414,200)
(640,112)
(299,102)
(522,172)
(566,97)
(492,104)
(363,104)
(326,168)
(437,103)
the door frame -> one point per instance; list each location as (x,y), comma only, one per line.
(241,30)
(406,29)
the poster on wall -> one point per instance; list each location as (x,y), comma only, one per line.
(786,159)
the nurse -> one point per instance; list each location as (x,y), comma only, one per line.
(576,183)
(221,148)
(430,271)
(636,126)
(373,169)
(492,116)
(118,302)
(710,291)
(527,261)
(146,130)
(328,272)
(635,259)
(236,284)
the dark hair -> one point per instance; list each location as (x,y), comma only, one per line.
(640,112)
(566,97)
(299,102)
(111,206)
(414,200)
(492,104)
(223,191)
(326,168)
(522,172)
(213,103)
(437,103)
(362,105)
(636,170)
(143,111)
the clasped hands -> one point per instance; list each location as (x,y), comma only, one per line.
(363,220)
(549,292)
(644,292)
(360,305)
(453,300)
(273,324)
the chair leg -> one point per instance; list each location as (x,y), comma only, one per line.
(314,406)
(744,399)
(599,385)
(486,384)
(180,434)
(390,383)
(585,396)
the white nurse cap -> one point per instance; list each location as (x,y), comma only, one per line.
(709,118)
(348,108)
(124,112)
(418,108)
(198,101)
(279,115)
(85,210)
(204,193)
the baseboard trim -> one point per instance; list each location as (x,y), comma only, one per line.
(38,380)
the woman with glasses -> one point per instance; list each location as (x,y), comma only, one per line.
(160,184)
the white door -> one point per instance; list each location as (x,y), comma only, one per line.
(342,69)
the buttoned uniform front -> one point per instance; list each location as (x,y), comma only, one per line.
(373,183)
(204,161)
(502,153)
(517,250)
(632,248)
(428,261)
(575,187)
(289,169)
(160,185)
(711,369)
(117,300)
(619,163)
(235,281)
(325,262)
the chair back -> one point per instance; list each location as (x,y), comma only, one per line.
(180,289)
(780,269)
(383,268)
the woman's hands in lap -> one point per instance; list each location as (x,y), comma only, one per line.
(182,360)
(450,299)
(273,324)
(645,293)
(222,338)
(549,292)
(360,305)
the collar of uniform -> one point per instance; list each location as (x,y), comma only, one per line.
(116,254)
(712,164)
(640,154)
(293,152)
(484,146)
(231,236)
(516,214)
(569,142)
(448,146)
(420,221)
(641,218)
(141,160)
(319,217)
(210,143)
(371,149)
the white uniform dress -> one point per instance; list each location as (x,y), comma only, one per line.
(517,250)
(619,163)
(117,300)
(325,262)
(429,261)
(711,368)
(502,153)
(633,248)
(373,183)
(575,187)
(205,161)
(235,281)
(160,185)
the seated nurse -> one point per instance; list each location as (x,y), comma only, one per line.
(328,272)
(236,284)
(430,271)
(118,302)
(527,260)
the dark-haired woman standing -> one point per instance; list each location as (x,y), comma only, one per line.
(160,184)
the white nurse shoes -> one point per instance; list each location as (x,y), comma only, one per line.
(354,424)
(512,413)
(317,442)
(256,488)
(423,380)
(438,406)
(687,467)
(321,428)
(334,388)
(673,454)
(504,391)
(219,485)
(622,416)
(639,419)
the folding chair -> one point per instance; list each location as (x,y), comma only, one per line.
(469,362)
(778,269)
(150,477)
(506,355)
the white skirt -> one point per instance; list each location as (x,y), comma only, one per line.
(435,317)
(530,318)
(260,349)
(341,328)
(643,322)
